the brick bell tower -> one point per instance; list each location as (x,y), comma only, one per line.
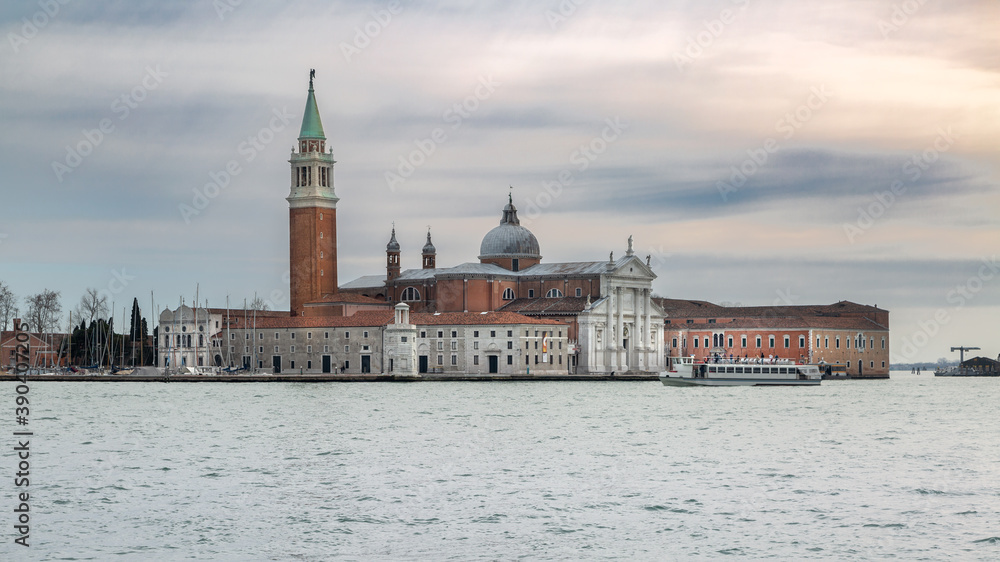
(312,213)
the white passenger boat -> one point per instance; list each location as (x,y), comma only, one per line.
(756,372)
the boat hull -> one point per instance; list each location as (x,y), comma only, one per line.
(688,381)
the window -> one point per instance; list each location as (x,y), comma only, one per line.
(536,360)
(696,343)
(440,359)
(706,342)
(475,345)
(454,346)
(309,364)
(347,365)
(423,334)
(232,336)
(493,333)
(347,349)
(275,349)
(326,349)
(510,334)
(403,339)
(689,321)
(364,334)
(770,341)
(579,292)
(326,335)
(510,360)
(440,334)
(553,294)
(440,346)
(309,335)
(309,349)
(347,335)
(291,349)
(515,264)
(883,364)
(410,294)
(510,345)
(787,341)
(758,341)
(826,342)
(261,349)
(475,333)
(454,334)
(729,341)
(531,293)
(293,335)
(743,341)
(475,359)
(260,336)
(883,346)
(838,342)
(293,364)
(673,343)
(802,341)
(872,364)
(508,294)
(817,341)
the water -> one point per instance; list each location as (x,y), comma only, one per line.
(906,469)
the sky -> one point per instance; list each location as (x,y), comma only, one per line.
(760,152)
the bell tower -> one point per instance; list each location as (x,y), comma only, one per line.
(392,257)
(312,212)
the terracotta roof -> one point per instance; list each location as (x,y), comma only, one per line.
(679,308)
(348,298)
(260,313)
(382,317)
(564,305)
(784,323)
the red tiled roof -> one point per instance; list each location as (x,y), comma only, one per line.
(348,298)
(785,323)
(383,317)
(543,305)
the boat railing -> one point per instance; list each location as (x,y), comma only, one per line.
(747,361)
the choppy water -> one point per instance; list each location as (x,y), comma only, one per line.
(906,469)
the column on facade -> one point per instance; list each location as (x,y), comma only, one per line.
(620,324)
(609,340)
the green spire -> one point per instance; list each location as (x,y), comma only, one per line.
(312,125)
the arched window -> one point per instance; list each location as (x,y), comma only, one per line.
(553,294)
(410,294)
(508,294)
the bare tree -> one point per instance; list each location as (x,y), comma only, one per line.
(93,304)
(259,304)
(8,305)
(44,310)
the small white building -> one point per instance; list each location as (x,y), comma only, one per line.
(188,337)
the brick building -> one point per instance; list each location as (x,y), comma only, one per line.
(844,333)
(44,350)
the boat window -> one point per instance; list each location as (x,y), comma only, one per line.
(739,369)
(782,371)
(756,369)
(711,369)
(730,369)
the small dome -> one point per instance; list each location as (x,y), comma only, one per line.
(392,246)
(510,239)
(429,247)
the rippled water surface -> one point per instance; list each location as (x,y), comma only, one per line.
(906,468)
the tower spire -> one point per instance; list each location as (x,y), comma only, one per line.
(312,125)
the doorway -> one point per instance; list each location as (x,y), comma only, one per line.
(494,364)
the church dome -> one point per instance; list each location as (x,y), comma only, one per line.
(510,239)
(429,247)
(393,245)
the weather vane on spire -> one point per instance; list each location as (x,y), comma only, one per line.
(312,74)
